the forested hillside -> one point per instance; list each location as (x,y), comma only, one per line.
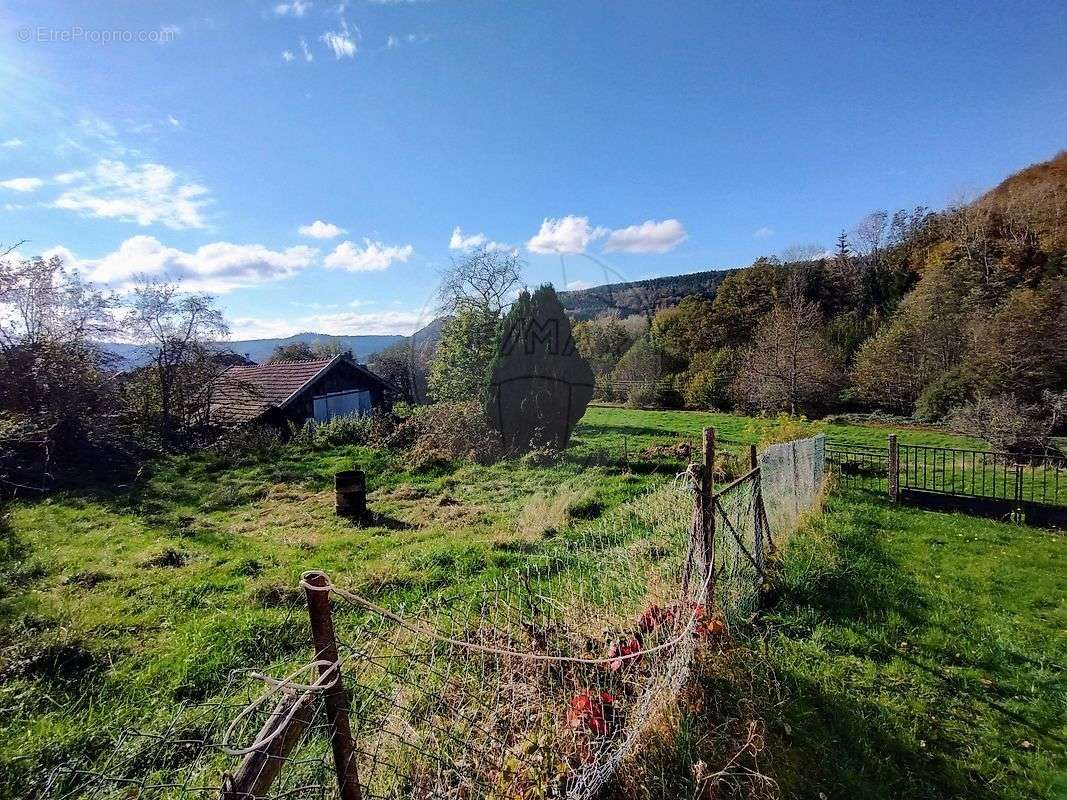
(957,315)
(640,297)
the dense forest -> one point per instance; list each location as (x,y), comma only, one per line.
(957,315)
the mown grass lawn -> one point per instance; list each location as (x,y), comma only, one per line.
(115,606)
(923,655)
(608,427)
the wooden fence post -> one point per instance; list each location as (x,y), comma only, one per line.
(753,459)
(259,768)
(707,494)
(335,699)
(894,469)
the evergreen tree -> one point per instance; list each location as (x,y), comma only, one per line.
(540,384)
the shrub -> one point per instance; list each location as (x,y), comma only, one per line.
(783,428)
(372,429)
(246,444)
(447,432)
(341,431)
(1001,420)
(641,396)
(941,395)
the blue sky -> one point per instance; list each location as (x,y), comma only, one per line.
(205,140)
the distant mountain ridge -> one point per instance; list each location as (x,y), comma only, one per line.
(259,350)
(644,297)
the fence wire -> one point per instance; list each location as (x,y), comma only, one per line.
(536,683)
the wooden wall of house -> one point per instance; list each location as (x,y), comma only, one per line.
(344,377)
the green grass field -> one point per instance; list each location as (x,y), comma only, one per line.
(922,655)
(115,606)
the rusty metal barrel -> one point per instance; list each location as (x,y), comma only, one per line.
(350,493)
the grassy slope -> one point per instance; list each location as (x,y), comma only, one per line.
(923,655)
(114,607)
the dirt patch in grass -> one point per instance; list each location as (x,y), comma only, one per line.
(168,558)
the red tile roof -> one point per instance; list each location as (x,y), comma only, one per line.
(243,393)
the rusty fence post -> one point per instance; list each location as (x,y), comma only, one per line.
(894,469)
(335,699)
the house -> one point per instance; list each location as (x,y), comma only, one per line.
(296,391)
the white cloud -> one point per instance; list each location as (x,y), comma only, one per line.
(308,55)
(372,257)
(763,233)
(567,235)
(648,237)
(341,323)
(68,177)
(392,42)
(22,184)
(287,55)
(173,120)
(296,8)
(321,230)
(146,194)
(457,241)
(340,42)
(575,286)
(215,267)
(12,143)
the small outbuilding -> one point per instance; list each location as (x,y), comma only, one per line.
(298,391)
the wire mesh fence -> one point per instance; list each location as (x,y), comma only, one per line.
(538,683)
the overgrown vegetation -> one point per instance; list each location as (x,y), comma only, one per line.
(910,655)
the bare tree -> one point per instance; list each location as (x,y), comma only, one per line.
(45,303)
(871,233)
(788,364)
(175,330)
(481,282)
(54,393)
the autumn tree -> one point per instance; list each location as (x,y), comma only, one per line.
(602,342)
(483,281)
(925,338)
(403,365)
(788,365)
(686,329)
(294,351)
(742,299)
